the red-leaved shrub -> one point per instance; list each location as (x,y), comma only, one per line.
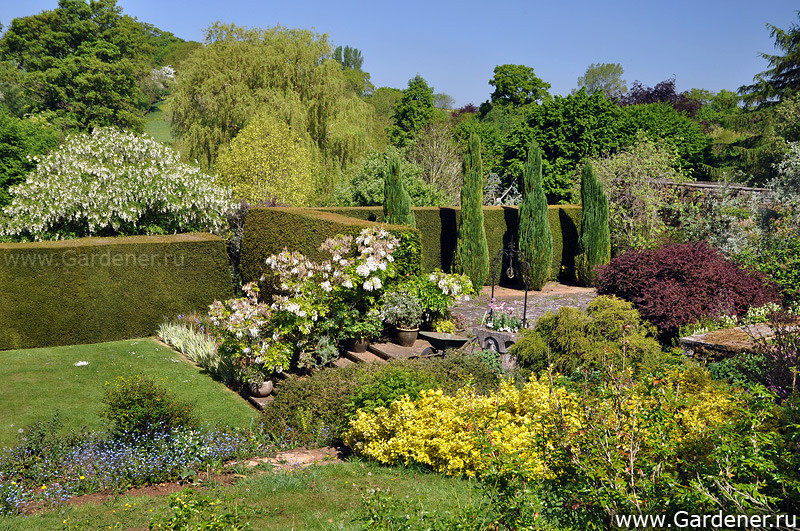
(678,283)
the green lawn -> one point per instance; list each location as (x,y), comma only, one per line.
(156,126)
(323,497)
(36,382)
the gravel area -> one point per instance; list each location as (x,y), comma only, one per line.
(552,297)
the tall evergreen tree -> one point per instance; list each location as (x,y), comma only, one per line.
(472,252)
(396,201)
(535,239)
(594,244)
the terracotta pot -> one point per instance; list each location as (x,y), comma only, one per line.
(358,345)
(260,390)
(406,337)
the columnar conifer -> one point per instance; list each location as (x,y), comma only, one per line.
(472,252)
(594,244)
(396,201)
(535,240)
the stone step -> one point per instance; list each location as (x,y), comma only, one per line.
(363,357)
(342,362)
(393,351)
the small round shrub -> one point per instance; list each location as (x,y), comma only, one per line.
(389,385)
(138,406)
(609,332)
(680,283)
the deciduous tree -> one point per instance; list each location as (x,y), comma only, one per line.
(517,85)
(267,161)
(606,77)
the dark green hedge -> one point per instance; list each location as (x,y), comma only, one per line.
(439,228)
(91,290)
(271,230)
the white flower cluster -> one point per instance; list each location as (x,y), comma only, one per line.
(451,285)
(113,182)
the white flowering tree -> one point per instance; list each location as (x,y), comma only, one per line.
(109,183)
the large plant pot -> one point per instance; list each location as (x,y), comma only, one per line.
(358,345)
(260,390)
(406,337)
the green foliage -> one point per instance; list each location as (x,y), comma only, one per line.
(609,333)
(139,406)
(402,309)
(287,72)
(438,231)
(568,129)
(471,256)
(605,77)
(327,398)
(20,139)
(94,290)
(111,183)
(781,79)
(517,85)
(662,121)
(412,112)
(594,244)
(396,201)
(388,386)
(79,64)
(535,238)
(267,161)
(439,157)
(366,187)
(190,339)
(637,203)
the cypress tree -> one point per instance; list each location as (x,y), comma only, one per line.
(472,252)
(594,244)
(535,240)
(396,201)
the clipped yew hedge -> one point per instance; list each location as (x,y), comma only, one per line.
(271,230)
(91,290)
(438,227)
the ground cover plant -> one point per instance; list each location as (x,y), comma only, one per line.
(73,379)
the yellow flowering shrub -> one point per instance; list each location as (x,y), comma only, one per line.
(547,429)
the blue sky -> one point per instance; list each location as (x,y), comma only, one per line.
(456,45)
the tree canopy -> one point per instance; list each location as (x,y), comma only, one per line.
(783,76)
(517,85)
(412,112)
(606,77)
(267,161)
(288,72)
(79,64)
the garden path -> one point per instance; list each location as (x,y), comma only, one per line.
(552,297)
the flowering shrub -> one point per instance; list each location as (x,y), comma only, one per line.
(112,182)
(679,442)
(680,283)
(437,291)
(242,329)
